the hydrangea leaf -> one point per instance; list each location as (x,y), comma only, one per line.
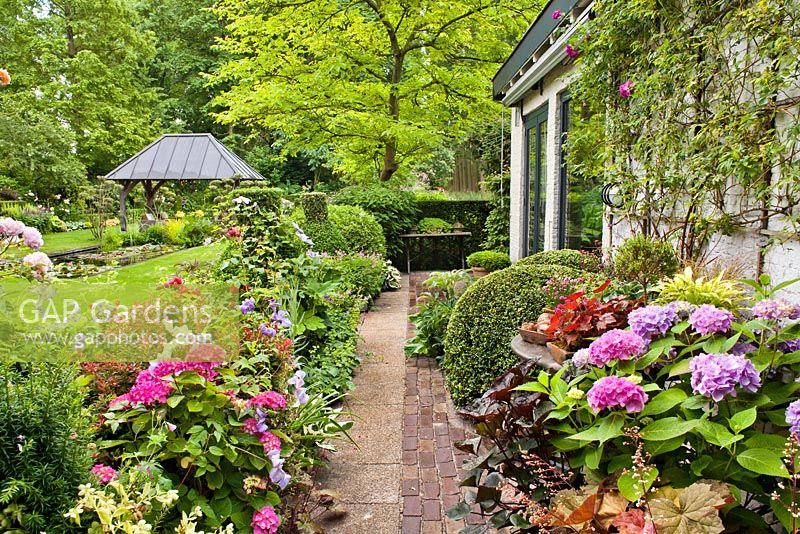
(763,461)
(664,401)
(609,428)
(667,428)
(694,513)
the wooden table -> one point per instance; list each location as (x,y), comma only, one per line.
(408,238)
(538,353)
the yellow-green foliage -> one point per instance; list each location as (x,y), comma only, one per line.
(719,291)
(172,230)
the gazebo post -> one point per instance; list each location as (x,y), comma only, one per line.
(127,185)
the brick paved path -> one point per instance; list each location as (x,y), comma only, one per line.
(405,473)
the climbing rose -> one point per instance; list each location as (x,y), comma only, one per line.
(708,319)
(265,521)
(793,418)
(271,399)
(717,375)
(32,238)
(612,391)
(652,321)
(5,78)
(571,51)
(776,309)
(615,345)
(104,473)
(556,14)
(626,89)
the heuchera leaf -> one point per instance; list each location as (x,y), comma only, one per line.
(695,511)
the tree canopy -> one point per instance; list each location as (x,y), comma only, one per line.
(381,83)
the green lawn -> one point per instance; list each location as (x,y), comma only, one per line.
(58,242)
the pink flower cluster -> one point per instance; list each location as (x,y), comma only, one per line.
(615,391)
(13,230)
(615,345)
(104,473)
(270,399)
(39,263)
(257,428)
(776,309)
(265,521)
(150,386)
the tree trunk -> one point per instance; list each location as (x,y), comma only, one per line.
(72,49)
(390,149)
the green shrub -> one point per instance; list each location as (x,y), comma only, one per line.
(195,231)
(360,229)
(156,234)
(396,211)
(362,275)
(566,257)
(315,207)
(434,308)
(113,239)
(434,225)
(496,230)
(44,434)
(470,213)
(326,237)
(489,260)
(645,260)
(267,198)
(486,318)
(430,196)
(172,231)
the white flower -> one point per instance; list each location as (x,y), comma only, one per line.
(241,200)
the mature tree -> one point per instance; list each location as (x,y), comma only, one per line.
(382,82)
(80,87)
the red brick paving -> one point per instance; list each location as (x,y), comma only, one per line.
(430,428)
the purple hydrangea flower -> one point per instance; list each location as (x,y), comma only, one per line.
(776,309)
(282,318)
(273,305)
(790,345)
(717,375)
(313,255)
(652,321)
(615,391)
(248,305)
(581,358)
(265,330)
(793,418)
(708,319)
(615,345)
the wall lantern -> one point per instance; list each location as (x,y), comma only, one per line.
(612,196)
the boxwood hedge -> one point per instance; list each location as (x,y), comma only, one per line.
(567,257)
(477,345)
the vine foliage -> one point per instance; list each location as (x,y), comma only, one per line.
(707,141)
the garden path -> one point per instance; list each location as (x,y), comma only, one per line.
(403,475)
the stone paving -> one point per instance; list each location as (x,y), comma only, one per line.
(404,474)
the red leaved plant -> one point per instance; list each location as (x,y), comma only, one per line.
(582,317)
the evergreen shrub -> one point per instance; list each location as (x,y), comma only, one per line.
(486,318)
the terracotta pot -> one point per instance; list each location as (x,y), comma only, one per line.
(533,336)
(557,353)
(479,272)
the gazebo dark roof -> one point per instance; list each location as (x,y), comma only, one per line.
(184,157)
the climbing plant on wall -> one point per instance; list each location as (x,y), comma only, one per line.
(692,109)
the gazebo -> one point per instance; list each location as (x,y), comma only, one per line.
(177,157)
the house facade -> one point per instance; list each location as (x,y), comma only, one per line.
(550,208)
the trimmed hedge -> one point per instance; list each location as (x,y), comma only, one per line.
(360,229)
(326,237)
(489,260)
(315,206)
(471,213)
(485,319)
(268,198)
(567,257)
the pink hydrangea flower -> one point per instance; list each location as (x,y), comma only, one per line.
(270,399)
(204,369)
(776,309)
(626,89)
(104,473)
(615,345)
(265,521)
(615,391)
(270,441)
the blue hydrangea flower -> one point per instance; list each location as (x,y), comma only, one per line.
(652,321)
